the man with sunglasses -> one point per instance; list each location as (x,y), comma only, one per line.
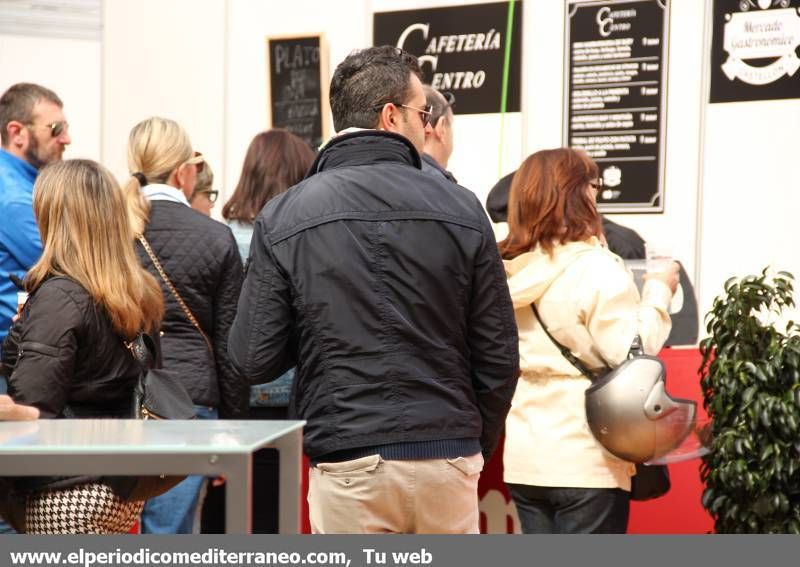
(33,133)
(384,287)
(439,137)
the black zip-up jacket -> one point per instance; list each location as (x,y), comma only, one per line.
(70,362)
(384,286)
(201,259)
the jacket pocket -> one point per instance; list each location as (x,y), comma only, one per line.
(39,348)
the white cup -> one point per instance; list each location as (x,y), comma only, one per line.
(22,297)
(659,257)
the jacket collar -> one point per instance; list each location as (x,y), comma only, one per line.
(365,147)
(164,192)
(20,166)
(428,159)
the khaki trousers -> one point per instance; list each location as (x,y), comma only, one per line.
(370,495)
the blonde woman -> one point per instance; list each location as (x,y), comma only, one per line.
(197,263)
(88,296)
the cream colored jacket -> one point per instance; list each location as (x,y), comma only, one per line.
(589,302)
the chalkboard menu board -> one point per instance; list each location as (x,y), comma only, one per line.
(615,97)
(298,87)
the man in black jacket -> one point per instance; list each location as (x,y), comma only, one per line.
(384,286)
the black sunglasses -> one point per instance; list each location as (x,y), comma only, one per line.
(56,128)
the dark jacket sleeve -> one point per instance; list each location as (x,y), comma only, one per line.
(49,329)
(493,341)
(234,389)
(260,340)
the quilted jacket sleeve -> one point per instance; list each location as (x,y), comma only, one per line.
(493,342)
(260,337)
(234,389)
(49,329)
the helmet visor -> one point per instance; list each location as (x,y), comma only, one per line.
(695,443)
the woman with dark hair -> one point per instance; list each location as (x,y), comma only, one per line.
(561,478)
(275,160)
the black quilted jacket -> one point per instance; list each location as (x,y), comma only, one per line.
(200,256)
(383,284)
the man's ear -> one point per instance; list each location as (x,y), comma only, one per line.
(389,117)
(438,131)
(14,129)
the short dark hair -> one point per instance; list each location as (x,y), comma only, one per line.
(366,80)
(439,103)
(17,104)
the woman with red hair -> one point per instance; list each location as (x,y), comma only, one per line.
(560,477)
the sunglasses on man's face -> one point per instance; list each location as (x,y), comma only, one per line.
(425,114)
(56,128)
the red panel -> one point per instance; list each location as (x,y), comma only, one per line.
(678,512)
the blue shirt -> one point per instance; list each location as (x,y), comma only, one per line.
(20,245)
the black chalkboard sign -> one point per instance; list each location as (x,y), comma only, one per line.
(615,96)
(298,86)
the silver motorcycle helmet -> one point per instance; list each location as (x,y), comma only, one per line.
(631,414)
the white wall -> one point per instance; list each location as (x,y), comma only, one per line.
(166,58)
(250,22)
(751,192)
(71,68)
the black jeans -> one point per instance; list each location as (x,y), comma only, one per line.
(546,510)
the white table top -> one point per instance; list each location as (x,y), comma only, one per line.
(152,437)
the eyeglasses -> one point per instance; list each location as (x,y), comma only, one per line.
(425,114)
(56,128)
(212,194)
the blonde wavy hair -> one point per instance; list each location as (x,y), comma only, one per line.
(156,148)
(81,213)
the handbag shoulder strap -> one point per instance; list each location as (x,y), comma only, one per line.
(636,348)
(168,282)
(565,352)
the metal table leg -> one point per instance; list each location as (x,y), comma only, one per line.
(238,470)
(290,461)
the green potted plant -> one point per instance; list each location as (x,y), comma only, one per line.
(750,377)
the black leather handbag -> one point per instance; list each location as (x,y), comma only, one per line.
(159,393)
(651,481)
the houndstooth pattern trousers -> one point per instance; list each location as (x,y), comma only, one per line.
(91,508)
